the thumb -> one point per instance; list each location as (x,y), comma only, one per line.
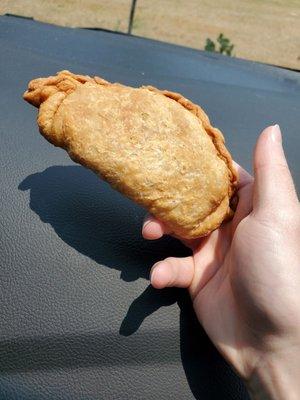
(273,183)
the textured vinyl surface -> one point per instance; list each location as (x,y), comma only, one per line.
(78,317)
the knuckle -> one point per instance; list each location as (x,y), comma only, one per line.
(281,219)
(287,219)
(276,167)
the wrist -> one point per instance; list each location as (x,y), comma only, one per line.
(276,377)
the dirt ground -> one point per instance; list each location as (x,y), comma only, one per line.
(261,30)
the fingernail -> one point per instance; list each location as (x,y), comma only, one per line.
(152,272)
(147,221)
(276,134)
(146,224)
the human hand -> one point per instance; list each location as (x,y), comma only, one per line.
(244,278)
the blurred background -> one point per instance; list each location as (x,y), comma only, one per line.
(261,30)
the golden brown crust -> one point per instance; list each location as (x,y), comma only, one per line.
(140,141)
(215,134)
(40,89)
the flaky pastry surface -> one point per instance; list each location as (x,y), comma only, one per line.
(156,147)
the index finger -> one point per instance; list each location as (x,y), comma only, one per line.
(244,178)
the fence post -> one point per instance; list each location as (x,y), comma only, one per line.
(131,16)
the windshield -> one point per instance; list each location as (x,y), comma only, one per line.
(266,31)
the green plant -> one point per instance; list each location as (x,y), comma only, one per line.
(210,45)
(225,46)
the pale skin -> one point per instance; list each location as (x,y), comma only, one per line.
(244,278)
